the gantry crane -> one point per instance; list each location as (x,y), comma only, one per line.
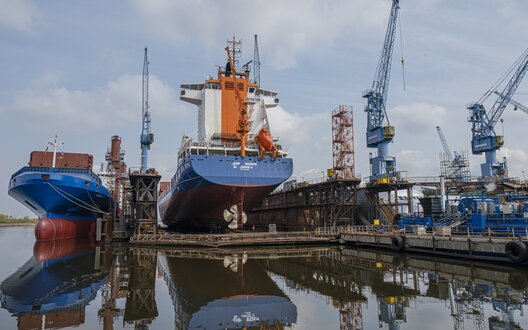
(147,137)
(484,139)
(379,131)
(454,166)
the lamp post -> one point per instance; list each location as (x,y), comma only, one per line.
(524,176)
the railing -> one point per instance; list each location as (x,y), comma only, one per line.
(57,170)
(491,231)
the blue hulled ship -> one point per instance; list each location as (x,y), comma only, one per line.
(63,192)
(235,162)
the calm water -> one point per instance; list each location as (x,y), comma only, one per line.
(67,284)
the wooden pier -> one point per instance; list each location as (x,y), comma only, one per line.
(236,239)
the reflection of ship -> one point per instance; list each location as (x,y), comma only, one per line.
(231,294)
(53,287)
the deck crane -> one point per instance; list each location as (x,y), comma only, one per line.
(484,139)
(379,131)
(516,105)
(256,63)
(147,137)
(457,162)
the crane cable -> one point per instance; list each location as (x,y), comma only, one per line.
(401,50)
(494,87)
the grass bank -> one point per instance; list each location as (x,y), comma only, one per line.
(25,221)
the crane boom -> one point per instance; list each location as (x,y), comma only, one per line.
(517,105)
(484,138)
(379,131)
(443,140)
(146,135)
(256,63)
(506,95)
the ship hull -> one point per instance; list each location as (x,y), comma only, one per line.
(67,202)
(205,186)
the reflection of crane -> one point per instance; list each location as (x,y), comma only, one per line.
(146,136)
(484,139)
(379,131)
(454,166)
(516,105)
(256,63)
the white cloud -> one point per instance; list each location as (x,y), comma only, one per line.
(116,104)
(419,118)
(285,28)
(18,15)
(417,163)
(517,160)
(306,137)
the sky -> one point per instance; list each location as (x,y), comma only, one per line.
(73,68)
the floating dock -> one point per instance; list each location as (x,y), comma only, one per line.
(478,246)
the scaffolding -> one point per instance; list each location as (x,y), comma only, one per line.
(455,169)
(343,142)
(144,203)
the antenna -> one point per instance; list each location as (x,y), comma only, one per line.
(235,48)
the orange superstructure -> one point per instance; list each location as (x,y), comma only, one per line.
(234,85)
(230,102)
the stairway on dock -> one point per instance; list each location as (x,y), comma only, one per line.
(451,220)
(388,213)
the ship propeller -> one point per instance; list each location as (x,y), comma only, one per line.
(231,215)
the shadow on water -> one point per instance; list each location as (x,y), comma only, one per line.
(255,288)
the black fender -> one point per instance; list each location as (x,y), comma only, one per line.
(398,243)
(516,251)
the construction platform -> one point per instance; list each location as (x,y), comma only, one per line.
(235,239)
(478,246)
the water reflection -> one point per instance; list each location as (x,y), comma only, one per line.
(52,289)
(230,291)
(258,288)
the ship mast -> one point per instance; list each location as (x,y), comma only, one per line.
(55,144)
(242,106)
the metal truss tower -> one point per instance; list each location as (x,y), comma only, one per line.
(343,142)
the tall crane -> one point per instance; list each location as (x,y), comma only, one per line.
(484,139)
(256,63)
(454,166)
(379,131)
(516,105)
(147,137)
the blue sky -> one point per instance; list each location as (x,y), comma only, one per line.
(73,68)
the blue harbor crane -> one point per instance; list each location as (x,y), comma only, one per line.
(484,139)
(379,131)
(147,137)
